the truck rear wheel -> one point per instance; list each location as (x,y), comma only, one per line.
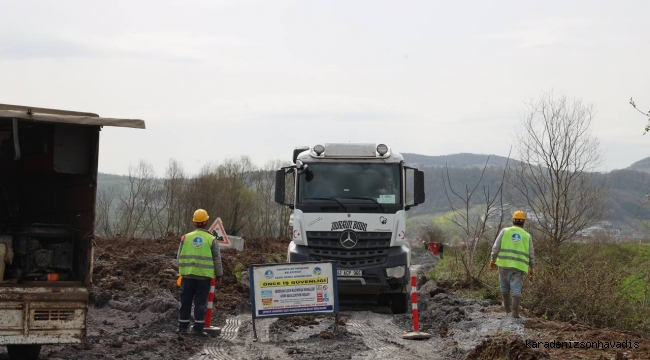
(24,352)
(399,303)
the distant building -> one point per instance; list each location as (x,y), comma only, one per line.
(603,231)
(531,216)
(592,231)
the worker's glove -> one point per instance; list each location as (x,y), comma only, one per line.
(531,273)
(493,265)
(179,281)
(217,281)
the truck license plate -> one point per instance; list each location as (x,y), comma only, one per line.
(349,272)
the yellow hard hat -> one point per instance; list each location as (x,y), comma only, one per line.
(200,216)
(519,215)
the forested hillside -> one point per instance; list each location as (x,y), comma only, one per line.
(462,160)
(641,165)
(626,207)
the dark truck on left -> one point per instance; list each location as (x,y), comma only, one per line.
(48,187)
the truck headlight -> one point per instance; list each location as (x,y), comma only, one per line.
(382,149)
(396,272)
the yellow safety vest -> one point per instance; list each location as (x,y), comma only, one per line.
(196,255)
(514,252)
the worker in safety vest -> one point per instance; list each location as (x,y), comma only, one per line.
(513,253)
(199,260)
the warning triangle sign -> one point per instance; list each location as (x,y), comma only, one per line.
(219,232)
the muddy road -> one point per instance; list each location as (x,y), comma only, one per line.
(366,331)
(134,306)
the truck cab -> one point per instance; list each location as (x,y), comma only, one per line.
(48,186)
(349,205)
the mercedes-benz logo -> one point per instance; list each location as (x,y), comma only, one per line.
(349,239)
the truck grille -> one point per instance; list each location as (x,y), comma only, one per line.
(372,248)
(53,315)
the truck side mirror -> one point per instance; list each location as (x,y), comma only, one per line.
(279,187)
(414,179)
(419,187)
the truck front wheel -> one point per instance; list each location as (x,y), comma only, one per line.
(383,299)
(399,303)
(24,352)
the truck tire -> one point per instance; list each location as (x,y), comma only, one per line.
(399,303)
(383,300)
(24,352)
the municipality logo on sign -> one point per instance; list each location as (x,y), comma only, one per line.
(317,271)
(515,238)
(268,274)
(197,242)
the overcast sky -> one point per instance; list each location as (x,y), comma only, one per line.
(220,79)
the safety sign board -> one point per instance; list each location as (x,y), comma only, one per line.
(293,289)
(219,232)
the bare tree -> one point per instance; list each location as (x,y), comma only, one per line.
(136,200)
(265,220)
(237,191)
(240,199)
(174,185)
(476,220)
(224,191)
(104,221)
(646,114)
(431,233)
(557,154)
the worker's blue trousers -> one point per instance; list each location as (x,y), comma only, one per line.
(197,291)
(511,280)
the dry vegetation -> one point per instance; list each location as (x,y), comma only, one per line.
(236,190)
(602,284)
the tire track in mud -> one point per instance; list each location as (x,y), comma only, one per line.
(371,338)
(215,349)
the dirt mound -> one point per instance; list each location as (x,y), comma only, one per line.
(438,309)
(134,298)
(131,270)
(505,348)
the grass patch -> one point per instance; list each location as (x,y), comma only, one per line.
(238,271)
(451,273)
(605,285)
(275,259)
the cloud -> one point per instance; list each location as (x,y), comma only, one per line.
(132,45)
(31,46)
(553,31)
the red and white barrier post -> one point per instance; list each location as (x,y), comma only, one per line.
(416,334)
(208,313)
(414,303)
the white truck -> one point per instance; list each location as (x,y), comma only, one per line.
(349,205)
(48,186)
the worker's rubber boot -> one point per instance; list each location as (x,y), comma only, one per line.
(515,306)
(506,301)
(199,333)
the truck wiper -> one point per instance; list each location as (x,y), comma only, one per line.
(365,198)
(330,199)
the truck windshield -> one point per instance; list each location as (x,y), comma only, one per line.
(351,183)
